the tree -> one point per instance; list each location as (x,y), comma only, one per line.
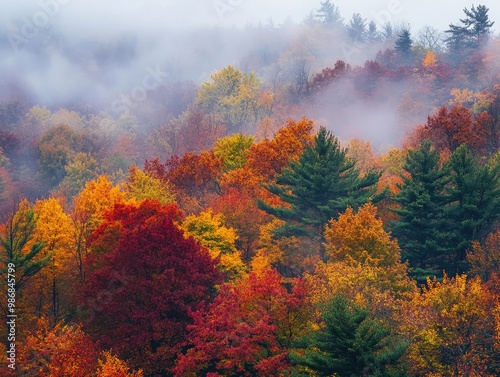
(350,343)
(317,187)
(372,34)
(233,95)
(81,169)
(356,28)
(57,146)
(51,290)
(475,194)
(450,128)
(97,197)
(329,15)
(247,330)
(210,231)
(59,351)
(452,329)
(233,150)
(474,31)
(422,230)
(140,186)
(17,247)
(403,45)
(112,366)
(148,279)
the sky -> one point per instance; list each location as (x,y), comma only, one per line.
(91,16)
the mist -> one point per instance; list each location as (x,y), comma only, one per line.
(119,56)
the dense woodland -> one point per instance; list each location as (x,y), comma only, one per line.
(250,226)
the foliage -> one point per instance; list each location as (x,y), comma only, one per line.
(148,280)
(452,329)
(233,150)
(350,343)
(422,229)
(210,231)
(247,330)
(140,186)
(317,187)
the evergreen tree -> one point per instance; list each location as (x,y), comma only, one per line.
(422,229)
(372,34)
(404,42)
(476,199)
(17,248)
(350,344)
(474,31)
(319,186)
(329,15)
(356,29)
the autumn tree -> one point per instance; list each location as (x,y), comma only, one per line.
(233,150)
(210,231)
(241,213)
(359,239)
(232,95)
(50,292)
(423,230)
(451,325)
(247,330)
(317,187)
(97,197)
(57,146)
(484,258)
(111,366)
(137,301)
(350,343)
(450,128)
(140,186)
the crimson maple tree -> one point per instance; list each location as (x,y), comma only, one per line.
(149,279)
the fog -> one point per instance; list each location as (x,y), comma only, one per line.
(108,56)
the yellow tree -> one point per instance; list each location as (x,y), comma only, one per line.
(140,186)
(112,366)
(233,96)
(52,285)
(234,150)
(364,264)
(452,328)
(210,231)
(90,205)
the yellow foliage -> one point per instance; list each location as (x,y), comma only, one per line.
(112,366)
(141,186)
(210,231)
(360,240)
(452,327)
(430,60)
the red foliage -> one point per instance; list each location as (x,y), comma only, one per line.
(450,128)
(247,330)
(150,278)
(328,75)
(192,174)
(242,214)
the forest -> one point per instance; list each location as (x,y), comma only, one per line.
(326,202)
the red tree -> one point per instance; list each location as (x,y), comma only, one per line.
(138,300)
(247,330)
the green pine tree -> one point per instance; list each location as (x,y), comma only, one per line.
(350,344)
(473,33)
(423,231)
(475,194)
(14,241)
(319,186)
